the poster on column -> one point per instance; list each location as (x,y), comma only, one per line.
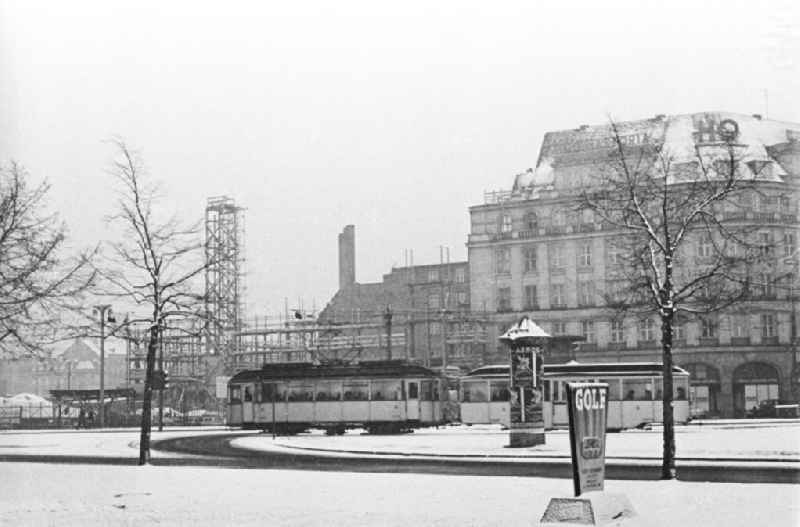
(587,433)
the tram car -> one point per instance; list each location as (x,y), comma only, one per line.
(381,397)
(634,393)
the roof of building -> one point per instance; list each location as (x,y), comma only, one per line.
(567,156)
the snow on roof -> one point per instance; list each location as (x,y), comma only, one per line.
(566,157)
(525,328)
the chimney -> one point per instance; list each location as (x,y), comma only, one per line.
(757,116)
(347,257)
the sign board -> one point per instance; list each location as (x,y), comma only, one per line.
(222,387)
(588,416)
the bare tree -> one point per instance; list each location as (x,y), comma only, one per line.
(662,205)
(38,284)
(157,265)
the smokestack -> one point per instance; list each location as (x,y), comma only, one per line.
(347,257)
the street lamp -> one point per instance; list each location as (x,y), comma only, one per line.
(105,313)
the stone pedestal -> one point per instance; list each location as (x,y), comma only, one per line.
(590,508)
(526,434)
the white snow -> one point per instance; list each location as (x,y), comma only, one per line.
(42,494)
(98,443)
(768,441)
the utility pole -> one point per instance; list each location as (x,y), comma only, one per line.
(101,310)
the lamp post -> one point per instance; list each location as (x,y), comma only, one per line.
(103,310)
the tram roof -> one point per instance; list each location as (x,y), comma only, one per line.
(584,369)
(287,371)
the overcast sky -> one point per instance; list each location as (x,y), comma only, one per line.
(394,117)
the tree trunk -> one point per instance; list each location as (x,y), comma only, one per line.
(668,460)
(144,439)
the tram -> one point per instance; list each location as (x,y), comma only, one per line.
(380,396)
(634,393)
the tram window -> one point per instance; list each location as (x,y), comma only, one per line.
(269,393)
(386,391)
(546,390)
(300,392)
(248,394)
(329,391)
(413,390)
(427,391)
(613,389)
(637,389)
(499,391)
(435,385)
(236,394)
(356,390)
(474,392)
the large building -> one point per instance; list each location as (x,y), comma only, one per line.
(529,253)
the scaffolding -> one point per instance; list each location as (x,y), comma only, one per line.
(224,253)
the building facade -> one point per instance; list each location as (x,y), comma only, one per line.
(531,252)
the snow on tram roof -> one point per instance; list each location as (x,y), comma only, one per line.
(578,368)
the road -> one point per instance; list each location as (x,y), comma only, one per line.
(216,450)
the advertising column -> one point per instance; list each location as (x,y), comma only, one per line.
(527,424)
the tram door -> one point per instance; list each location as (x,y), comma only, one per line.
(247,403)
(412,400)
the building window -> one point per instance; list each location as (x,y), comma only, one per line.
(647,329)
(739,327)
(530,260)
(462,297)
(705,247)
(557,297)
(768,326)
(614,255)
(531,297)
(765,242)
(436,328)
(789,244)
(678,331)
(461,275)
(531,222)
(504,299)
(433,301)
(585,293)
(587,330)
(617,331)
(505,223)
(502,260)
(708,328)
(556,257)
(585,255)
(764,286)
(559,328)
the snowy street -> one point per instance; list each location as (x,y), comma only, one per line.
(45,494)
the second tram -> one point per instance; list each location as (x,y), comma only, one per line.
(634,392)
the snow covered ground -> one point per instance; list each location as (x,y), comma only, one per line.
(52,494)
(100,443)
(740,441)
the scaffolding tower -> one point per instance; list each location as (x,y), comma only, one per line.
(224,253)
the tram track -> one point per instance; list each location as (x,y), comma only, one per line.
(217,450)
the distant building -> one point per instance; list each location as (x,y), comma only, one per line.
(77,367)
(429,303)
(529,254)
